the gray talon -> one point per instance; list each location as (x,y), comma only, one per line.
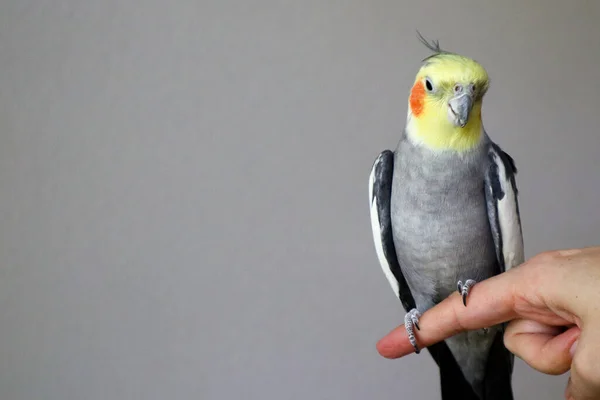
(412,319)
(465,289)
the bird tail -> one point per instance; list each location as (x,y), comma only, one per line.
(453,384)
(496,385)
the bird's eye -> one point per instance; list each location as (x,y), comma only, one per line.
(428,84)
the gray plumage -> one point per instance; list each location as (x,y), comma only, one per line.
(442,234)
(440,217)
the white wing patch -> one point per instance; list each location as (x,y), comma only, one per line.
(385,266)
(508,218)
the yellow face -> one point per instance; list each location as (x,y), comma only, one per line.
(445,102)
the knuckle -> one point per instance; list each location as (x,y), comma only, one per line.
(539,269)
(546,257)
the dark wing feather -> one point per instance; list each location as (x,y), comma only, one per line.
(498,373)
(380,193)
(503,208)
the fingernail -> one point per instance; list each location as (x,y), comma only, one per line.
(573,348)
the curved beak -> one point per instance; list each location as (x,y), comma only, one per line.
(460,107)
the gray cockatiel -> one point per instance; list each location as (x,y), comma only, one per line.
(445,216)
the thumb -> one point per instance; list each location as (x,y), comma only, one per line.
(545,348)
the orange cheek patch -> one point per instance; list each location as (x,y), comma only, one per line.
(417,98)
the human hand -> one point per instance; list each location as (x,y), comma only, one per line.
(553,303)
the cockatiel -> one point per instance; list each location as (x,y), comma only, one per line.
(445,215)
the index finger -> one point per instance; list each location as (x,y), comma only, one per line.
(490,302)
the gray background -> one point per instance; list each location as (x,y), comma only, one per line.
(183,209)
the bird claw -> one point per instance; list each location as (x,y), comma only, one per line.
(411,319)
(465,288)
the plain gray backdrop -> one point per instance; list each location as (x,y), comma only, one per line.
(183,186)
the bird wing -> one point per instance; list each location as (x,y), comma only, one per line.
(380,194)
(503,208)
(505,222)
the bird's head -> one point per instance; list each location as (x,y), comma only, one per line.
(445,101)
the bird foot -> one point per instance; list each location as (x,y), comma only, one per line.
(465,288)
(411,320)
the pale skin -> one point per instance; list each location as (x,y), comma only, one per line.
(553,304)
